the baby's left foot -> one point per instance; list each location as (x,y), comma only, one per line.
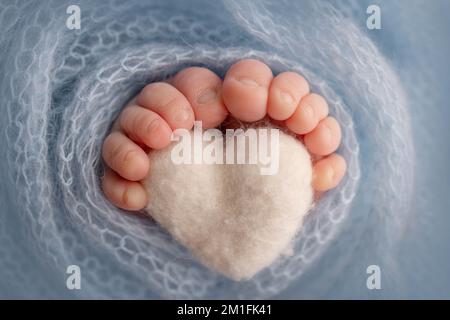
(249,92)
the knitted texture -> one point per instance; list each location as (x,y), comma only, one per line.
(61,90)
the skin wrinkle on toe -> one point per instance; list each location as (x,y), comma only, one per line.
(118,160)
(129,155)
(153,126)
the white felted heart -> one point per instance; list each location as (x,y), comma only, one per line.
(232,217)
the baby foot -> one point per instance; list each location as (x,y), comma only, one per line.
(249,92)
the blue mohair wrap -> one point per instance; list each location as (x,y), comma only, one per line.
(61,89)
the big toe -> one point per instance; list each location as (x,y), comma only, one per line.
(246,89)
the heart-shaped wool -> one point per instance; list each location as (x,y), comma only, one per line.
(236,217)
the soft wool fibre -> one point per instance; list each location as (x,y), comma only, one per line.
(235,220)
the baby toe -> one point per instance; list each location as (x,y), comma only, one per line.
(169,103)
(202,88)
(145,126)
(125,157)
(328,172)
(246,89)
(128,195)
(325,138)
(311,109)
(285,93)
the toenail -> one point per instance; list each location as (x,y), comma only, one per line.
(327,132)
(329,173)
(286,97)
(206,96)
(309,111)
(248,82)
(314,175)
(131,198)
(182,115)
(327,135)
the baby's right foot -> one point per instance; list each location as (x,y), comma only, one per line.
(249,92)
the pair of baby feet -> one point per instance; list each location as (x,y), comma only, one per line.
(249,92)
